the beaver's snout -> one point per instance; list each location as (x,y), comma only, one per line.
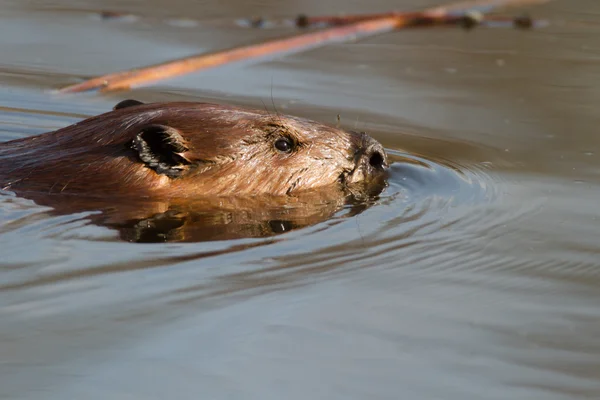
(370,160)
(374,155)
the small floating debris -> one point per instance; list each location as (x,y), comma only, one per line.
(523,22)
(471,19)
(107,15)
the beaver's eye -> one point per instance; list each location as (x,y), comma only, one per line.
(284,145)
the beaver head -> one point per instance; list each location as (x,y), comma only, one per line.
(190,149)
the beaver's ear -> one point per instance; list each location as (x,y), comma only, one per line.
(158,146)
(127,103)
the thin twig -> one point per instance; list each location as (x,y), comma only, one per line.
(420,19)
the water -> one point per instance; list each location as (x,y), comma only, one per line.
(474,275)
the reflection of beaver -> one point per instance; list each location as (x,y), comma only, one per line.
(211,218)
(180,150)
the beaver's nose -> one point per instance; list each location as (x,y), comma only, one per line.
(373,154)
(376,157)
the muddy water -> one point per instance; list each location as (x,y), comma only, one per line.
(476,274)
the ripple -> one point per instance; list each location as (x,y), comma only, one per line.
(419,178)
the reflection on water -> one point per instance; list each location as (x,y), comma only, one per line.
(209,219)
(474,274)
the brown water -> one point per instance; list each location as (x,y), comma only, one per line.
(475,276)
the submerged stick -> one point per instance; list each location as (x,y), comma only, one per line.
(436,13)
(451,13)
(523,21)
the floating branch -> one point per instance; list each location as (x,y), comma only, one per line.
(467,14)
(467,20)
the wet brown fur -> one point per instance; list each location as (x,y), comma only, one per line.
(226,150)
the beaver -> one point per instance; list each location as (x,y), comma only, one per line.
(189,149)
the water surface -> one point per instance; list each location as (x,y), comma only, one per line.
(475,274)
